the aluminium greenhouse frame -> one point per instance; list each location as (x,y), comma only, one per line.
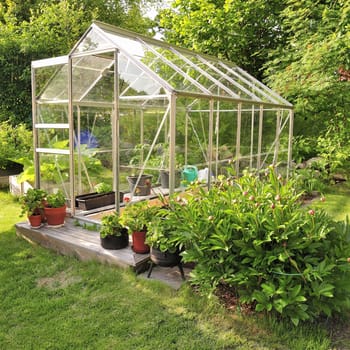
(124,72)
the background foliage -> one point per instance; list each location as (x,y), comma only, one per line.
(38,29)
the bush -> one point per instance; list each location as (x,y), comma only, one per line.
(14,142)
(253,234)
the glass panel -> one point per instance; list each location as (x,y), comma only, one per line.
(208,78)
(225,135)
(93,148)
(53,138)
(156,58)
(192,136)
(133,81)
(54,173)
(143,144)
(93,41)
(152,60)
(247,84)
(268,138)
(92,73)
(52,114)
(52,83)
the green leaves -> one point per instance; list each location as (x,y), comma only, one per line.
(278,257)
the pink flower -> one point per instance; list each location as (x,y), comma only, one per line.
(311,212)
(278,197)
(273,206)
(126,199)
(245,193)
(251,198)
(322,199)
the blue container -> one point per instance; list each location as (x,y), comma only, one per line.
(190,173)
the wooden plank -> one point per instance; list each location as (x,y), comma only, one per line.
(85,244)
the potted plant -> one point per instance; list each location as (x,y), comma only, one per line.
(135,217)
(161,235)
(140,185)
(103,196)
(113,234)
(55,208)
(33,205)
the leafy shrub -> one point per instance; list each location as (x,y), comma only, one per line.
(111,226)
(253,234)
(14,142)
(309,180)
(56,200)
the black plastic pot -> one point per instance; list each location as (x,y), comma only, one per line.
(165,259)
(115,242)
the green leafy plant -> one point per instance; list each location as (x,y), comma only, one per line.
(111,226)
(103,188)
(32,201)
(56,200)
(253,234)
(136,216)
(309,180)
(162,230)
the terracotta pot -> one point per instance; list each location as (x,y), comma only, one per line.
(115,242)
(138,242)
(55,216)
(35,221)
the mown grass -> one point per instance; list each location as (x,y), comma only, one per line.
(337,201)
(50,301)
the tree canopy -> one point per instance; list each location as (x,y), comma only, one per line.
(39,29)
(301,48)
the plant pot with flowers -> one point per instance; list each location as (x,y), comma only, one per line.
(33,205)
(135,217)
(113,234)
(55,208)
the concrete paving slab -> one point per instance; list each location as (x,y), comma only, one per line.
(169,275)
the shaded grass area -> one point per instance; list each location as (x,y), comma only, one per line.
(50,301)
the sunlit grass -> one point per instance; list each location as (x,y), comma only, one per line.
(50,301)
(337,201)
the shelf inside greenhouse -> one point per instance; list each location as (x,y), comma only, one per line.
(127,110)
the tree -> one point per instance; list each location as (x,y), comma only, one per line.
(312,68)
(40,29)
(242,31)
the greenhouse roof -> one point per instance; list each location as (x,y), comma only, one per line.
(151,67)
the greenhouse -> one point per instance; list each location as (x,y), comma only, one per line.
(139,117)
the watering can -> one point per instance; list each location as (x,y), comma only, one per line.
(190,173)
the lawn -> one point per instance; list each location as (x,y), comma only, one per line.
(50,301)
(337,201)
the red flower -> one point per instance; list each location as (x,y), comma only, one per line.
(126,199)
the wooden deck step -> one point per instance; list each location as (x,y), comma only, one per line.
(85,244)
